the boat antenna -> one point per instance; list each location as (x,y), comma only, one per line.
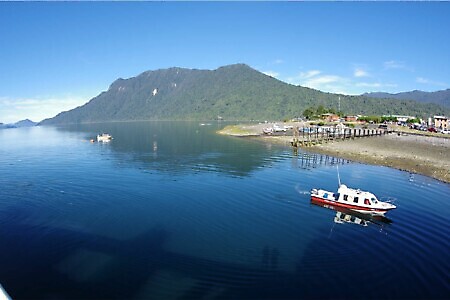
(339,178)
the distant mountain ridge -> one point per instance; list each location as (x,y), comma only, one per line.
(25,123)
(439,97)
(22,123)
(234,92)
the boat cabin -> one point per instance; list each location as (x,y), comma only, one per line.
(355,197)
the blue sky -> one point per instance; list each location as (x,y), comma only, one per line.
(56,56)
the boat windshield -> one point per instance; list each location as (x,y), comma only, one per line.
(374,200)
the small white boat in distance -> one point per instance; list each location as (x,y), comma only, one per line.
(357,200)
(105,137)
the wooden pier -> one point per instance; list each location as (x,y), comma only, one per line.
(309,136)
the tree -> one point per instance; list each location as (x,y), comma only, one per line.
(321,110)
(308,113)
(415,120)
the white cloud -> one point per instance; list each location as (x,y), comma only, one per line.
(271,73)
(430,82)
(422,80)
(278,61)
(302,77)
(309,74)
(368,84)
(35,109)
(396,65)
(359,72)
(315,79)
(375,84)
(337,84)
(321,80)
(392,64)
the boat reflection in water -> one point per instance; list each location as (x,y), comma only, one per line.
(342,218)
(345,215)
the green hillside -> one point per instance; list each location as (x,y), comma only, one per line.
(235,92)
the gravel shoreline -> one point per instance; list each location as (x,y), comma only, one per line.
(426,155)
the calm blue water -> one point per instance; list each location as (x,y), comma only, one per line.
(172,210)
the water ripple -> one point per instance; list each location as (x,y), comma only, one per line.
(227,218)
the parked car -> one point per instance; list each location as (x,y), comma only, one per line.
(416,126)
(431,129)
(268,130)
(445,131)
(277,128)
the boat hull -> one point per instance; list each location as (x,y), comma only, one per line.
(374,218)
(361,209)
(103,140)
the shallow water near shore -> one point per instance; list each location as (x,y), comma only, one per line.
(172,210)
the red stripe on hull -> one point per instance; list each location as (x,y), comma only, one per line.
(349,206)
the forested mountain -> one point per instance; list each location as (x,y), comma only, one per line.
(234,92)
(439,97)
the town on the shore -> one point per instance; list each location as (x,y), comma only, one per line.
(322,116)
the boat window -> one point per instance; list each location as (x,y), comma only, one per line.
(325,195)
(336,196)
(356,199)
(374,200)
(345,197)
(366,201)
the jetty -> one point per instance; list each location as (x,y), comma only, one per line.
(310,136)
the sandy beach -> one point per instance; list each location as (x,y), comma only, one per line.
(426,155)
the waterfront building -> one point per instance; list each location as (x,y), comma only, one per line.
(441,122)
(330,117)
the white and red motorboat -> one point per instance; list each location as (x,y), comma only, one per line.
(357,200)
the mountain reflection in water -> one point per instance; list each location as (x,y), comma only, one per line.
(173,210)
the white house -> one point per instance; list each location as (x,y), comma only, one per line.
(402,119)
